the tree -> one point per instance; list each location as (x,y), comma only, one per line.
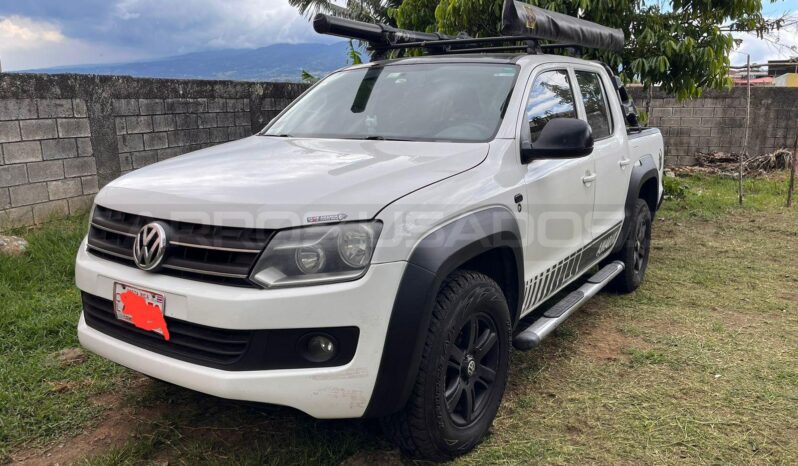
(681,45)
(371,11)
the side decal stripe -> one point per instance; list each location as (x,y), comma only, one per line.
(528,297)
(542,286)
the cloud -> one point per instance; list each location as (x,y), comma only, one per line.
(116,30)
(192,25)
(780,45)
(27,43)
(122,10)
(24,32)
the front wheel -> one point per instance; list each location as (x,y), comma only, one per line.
(634,254)
(463,371)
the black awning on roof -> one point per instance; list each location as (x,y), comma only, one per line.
(521,19)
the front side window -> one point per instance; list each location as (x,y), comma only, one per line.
(461,102)
(598,115)
(551,97)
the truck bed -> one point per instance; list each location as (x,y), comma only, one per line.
(640,132)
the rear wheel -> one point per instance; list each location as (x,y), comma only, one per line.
(634,253)
(463,371)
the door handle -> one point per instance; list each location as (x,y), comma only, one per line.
(587,179)
(624,162)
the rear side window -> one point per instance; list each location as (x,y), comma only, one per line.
(551,97)
(596,108)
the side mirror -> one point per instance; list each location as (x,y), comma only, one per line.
(561,138)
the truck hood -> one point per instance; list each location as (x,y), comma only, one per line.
(269,182)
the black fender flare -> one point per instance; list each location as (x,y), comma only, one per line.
(433,258)
(642,171)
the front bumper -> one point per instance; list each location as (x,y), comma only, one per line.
(324,392)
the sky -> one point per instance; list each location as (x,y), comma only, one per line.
(47,33)
(781,45)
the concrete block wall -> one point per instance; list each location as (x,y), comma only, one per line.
(62,137)
(716,121)
(46,159)
(151,130)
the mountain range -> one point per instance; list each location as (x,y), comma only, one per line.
(278,62)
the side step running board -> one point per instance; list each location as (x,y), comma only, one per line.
(555,315)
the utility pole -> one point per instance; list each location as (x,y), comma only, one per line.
(747,123)
(793,163)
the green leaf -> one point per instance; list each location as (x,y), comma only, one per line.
(354,55)
(308,78)
(663,64)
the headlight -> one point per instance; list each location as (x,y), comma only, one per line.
(317,254)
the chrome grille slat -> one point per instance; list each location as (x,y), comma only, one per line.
(204,272)
(215,248)
(111,230)
(105,251)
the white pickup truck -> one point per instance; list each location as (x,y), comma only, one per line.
(381,245)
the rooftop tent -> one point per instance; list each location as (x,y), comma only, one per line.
(521,19)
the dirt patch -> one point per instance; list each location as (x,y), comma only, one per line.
(120,423)
(605,342)
(736,321)
(68,357)
(69,385)
(748,322)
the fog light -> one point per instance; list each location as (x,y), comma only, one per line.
(320,348)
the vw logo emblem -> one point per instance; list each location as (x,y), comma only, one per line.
(150,246)
(471,368)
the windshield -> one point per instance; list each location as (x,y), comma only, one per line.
(462,102)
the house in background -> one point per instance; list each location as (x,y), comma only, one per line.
(784,72)
(779,67)
(779,73)
(759,77)
(741,80)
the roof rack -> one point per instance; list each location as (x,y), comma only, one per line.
(523,26)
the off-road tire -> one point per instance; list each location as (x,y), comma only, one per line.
(635,251)
(426,428)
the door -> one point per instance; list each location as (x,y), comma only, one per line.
(610,151)
(559,193)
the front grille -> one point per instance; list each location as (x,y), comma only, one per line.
(209,253)
(231,350)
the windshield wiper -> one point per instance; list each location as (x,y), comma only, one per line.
(278,135)
(383,138)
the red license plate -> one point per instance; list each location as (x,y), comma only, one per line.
(142,308)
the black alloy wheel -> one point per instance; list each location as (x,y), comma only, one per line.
(635,251)
(471,371)
(462,374)
(641,246)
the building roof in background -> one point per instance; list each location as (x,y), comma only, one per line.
(742,80)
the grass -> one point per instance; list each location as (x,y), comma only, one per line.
(37,317)
(700,365)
